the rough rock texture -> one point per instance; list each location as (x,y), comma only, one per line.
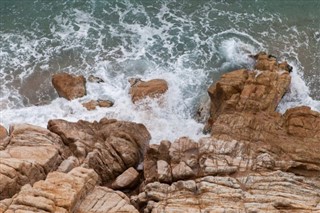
(103,199)
(256,160)
(109,146)
(249,91)
(243,107)
(126,180)
(92,105)
(186,159)
(254,192)
(31,153)
(4,138)
(60,192)
(142,89)
(69,86)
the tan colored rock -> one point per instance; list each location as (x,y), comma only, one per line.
(142,89)
(3,132)
(31,153)
(69,86)
(91,105)
(103,199)
(4,138)
(109,146)
(126,180)
(60,192)
(211,156)
(265,192)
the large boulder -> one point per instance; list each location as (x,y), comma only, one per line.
(69,86)
(31,153)
(109,146)
(142,89)
(251,91)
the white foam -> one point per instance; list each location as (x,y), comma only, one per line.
(298,93)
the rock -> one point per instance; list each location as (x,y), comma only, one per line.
(60,192)
(91,105)
(3,133)
(142,89)
(126,180)
(266,192)
(186,160)
(94,79)
(31,153)
(109,146)
(69,86)
(103,199)
(4,139)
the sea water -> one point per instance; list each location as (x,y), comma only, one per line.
(189,43)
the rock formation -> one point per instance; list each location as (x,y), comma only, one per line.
(29,156)
(142,89)
(69,86)
(254,160)
(109,146)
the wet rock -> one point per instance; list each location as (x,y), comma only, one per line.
(31,153)
(91,105)
(69,86)
(142,89)
(94,79)
(126,180)
(4,138)
(109,146)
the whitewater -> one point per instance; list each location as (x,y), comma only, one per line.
(190,44)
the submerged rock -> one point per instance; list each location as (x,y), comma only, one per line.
(94,79)
(92,105)
(142,89)
(69,86)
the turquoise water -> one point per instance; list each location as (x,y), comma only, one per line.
(188,43)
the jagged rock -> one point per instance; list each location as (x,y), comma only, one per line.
(103,199)
(126,180)
(60,192)
(95,79)
(109,146)
(91,105)
(185,159)
(265,192)
(31,153)
(243,107)
(253,91)
(142,89)
(69,86)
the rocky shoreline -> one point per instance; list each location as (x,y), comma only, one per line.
(254,160)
